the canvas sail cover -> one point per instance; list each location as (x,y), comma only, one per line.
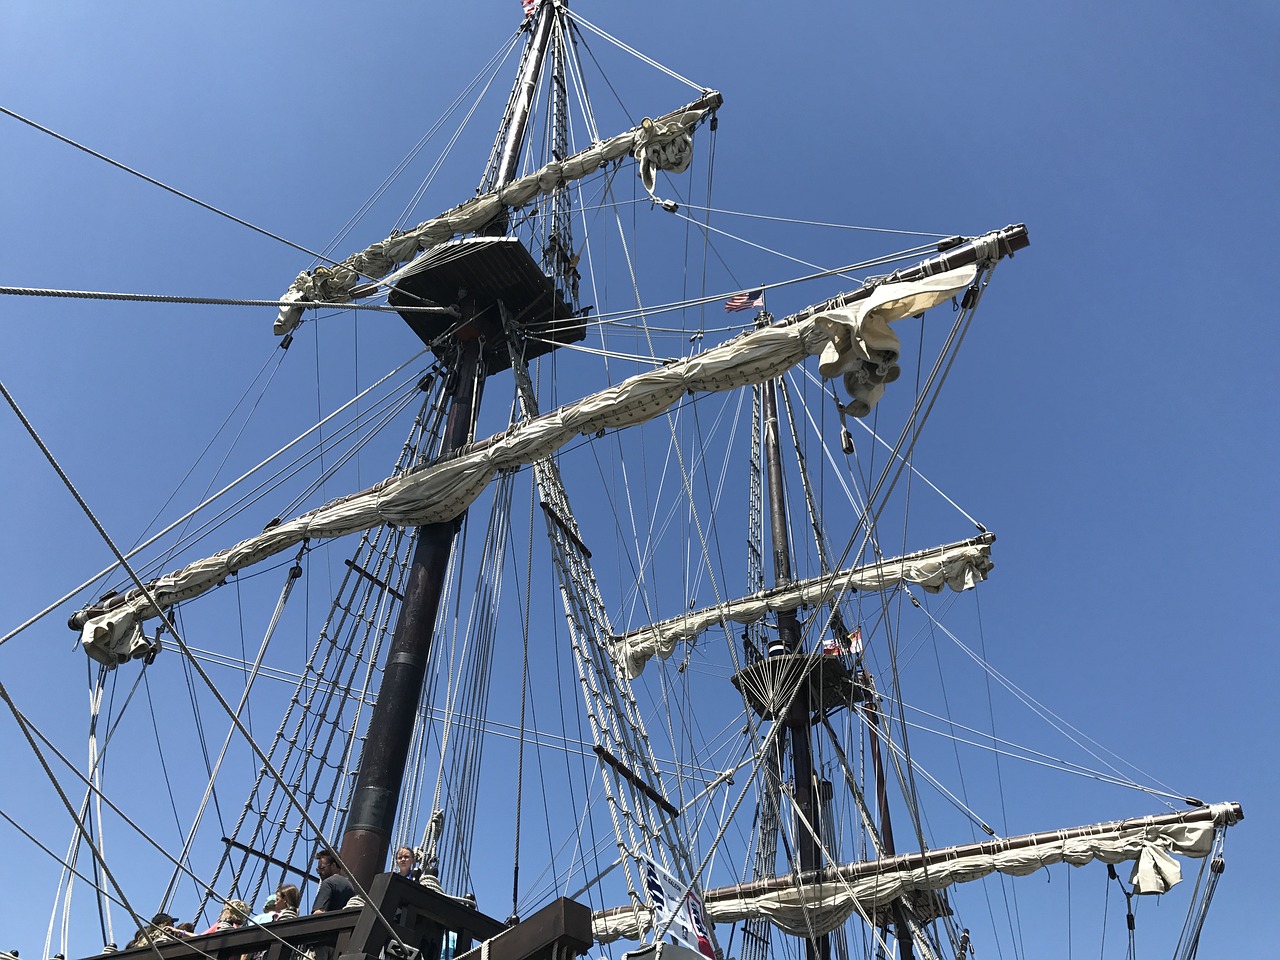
(960,566)
(816,908)
(441,491)
(663,144)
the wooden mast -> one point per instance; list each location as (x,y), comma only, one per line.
(788,642)
(371,818)
(367,834)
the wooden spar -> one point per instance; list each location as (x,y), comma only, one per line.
(998,243)
(834,584)
(788,640)
(1227,814)
(1221,814)
(376,799)
(522,96)
(637,781)
(271,860)
(901,927)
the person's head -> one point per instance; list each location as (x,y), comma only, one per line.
(162,919)
(326,865)
(286,897)
(187,927)
(270,904)
(404,861)
(234,911)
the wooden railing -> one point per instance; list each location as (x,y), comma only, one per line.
(429,923)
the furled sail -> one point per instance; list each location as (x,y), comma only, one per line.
(960,566)
(815,904)
(442,490)
(662,144)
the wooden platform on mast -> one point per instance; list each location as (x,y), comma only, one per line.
(796,684)
(486,271)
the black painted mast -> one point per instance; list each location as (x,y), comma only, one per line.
(370,821)
(371,818)
(797,720)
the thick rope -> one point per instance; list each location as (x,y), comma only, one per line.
(163,186)
(213,301)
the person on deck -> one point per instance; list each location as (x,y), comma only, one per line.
(287,902)
(160,930)
(335,889)
(234,914)
(268,911)
(404,864)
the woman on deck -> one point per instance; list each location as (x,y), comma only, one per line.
(287,902)
(234,914)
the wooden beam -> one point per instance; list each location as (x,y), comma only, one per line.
(562,924)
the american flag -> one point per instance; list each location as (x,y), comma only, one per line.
(744,301)
(528,5)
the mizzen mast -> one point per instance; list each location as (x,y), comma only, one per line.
(788,642)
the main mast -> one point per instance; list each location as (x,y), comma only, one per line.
(471,346)
(371,817)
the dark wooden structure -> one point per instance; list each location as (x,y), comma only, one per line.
(791,686)
(486,271)
(429,923)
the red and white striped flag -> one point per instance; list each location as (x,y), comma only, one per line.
(744,301)
(529,6)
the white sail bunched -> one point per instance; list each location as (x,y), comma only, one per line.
(960,566)
(441,491)
(663,144)
(820,906)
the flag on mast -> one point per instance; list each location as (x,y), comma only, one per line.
(855,641)
(744,301)
(853,644)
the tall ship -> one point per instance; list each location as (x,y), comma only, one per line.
(611,593)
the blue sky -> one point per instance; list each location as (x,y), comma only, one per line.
(1110,418)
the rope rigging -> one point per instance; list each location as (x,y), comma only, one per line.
(662,803)
(1216,865)
(330,696)
(631,779)
(163,186)
(208,500)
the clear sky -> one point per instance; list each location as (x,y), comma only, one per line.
(1110,417)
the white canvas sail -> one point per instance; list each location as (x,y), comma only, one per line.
(442,491)
(822,904)
(960,566)
(663,144)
